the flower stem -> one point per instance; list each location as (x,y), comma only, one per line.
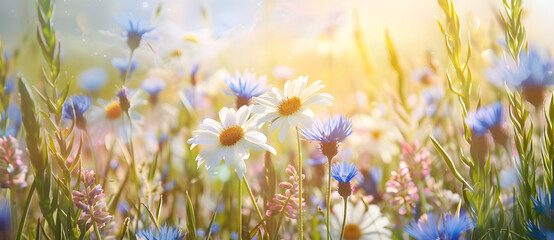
(132,151)
(344,218)
(96,232)
(92,155)
(329,159)
(26,210)
(421,193)
(299,183)
(128,67)
(240,209)
(254,202)
(281,215)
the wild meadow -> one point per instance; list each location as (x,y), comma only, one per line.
(275,120)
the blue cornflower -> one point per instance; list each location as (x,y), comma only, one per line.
(193,72)
(10,85)
(135,29)
(153,86)
(335,129)
(543,204)
(431,98)
(485,118)
(532,74)
(245,87)
(450,227)
(193,98)
(369,180)
(14,117)
(344,174)
(121,65)
(93,79)
(316,159)
(5,219)
(539,234)
(164,233)
(75,108)
(531,70)
(329,134)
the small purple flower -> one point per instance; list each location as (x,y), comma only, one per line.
(13,171)
(135,29)
(402,189)
(75,108)
(418,159)
(92,79)
(124,99)
(290,202)
(91,197)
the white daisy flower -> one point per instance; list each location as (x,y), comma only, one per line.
(288,109)
(360,224)
(378,133)
(231,139)
(106,118)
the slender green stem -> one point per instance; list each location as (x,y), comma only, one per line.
(92,155)
(125,227)
(258,212)
(153,166)
(133,162)
(128,67)
(281,215)
(328,200)
(25,211)
(299,184)
(422,196)
(240,209)
(132,151)
(344,218)
(96,232)
(107,169)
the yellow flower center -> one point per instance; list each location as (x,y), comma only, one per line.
(230,135)
(289,106)
(376,134)
(113,111)
(352,232)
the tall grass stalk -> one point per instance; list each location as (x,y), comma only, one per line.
(301,233)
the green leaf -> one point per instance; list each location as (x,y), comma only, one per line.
(191,220)
(151,216)
(450,163)
(25,211)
